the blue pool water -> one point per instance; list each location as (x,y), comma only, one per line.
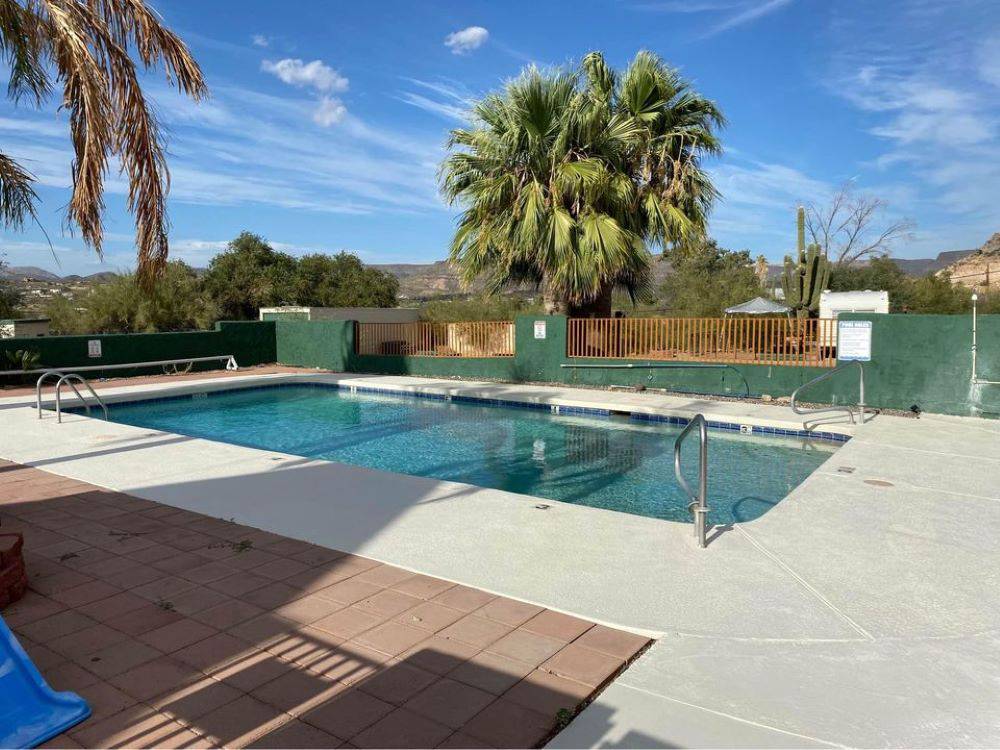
(613,463)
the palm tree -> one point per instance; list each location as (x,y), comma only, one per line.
(567,178)
(83,47)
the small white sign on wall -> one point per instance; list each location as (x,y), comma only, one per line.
(94,348)
(539,329)
(854,340)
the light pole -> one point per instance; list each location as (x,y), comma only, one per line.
(975,298)
(975,378)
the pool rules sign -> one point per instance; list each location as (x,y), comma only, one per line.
(854,340)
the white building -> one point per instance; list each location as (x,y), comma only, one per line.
(360,314)
(24,328)
(832,304)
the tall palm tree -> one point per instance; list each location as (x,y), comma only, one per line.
(567,178)
(83,47)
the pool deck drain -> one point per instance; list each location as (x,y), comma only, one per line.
(849,614)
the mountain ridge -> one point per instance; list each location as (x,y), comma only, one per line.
(419,281)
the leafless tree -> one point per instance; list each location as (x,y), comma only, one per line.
(854,227)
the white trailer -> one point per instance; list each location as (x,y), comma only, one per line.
(832,304)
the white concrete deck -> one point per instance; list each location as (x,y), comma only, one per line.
(850,614)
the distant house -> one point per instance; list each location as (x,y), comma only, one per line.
(24,327)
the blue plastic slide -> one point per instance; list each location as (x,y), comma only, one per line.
(30,711)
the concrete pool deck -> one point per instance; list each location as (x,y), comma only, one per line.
(862,610)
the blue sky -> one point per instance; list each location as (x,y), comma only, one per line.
(327,120)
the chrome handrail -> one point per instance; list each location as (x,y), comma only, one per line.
(38,388)
(57,371)
(834,408)
(698,505)
(68,379)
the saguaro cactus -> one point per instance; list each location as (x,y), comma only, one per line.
(805,279)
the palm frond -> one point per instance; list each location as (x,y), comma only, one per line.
(87,47)
(17,196)
(566,179)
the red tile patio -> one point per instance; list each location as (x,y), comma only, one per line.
(182,630)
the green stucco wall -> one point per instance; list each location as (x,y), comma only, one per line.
(327,344)
(543,360)
(926,360)
(921,360)
(252,343)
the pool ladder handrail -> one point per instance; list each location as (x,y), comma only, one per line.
(834,408)
(68,379)
(47,372)
(699,500)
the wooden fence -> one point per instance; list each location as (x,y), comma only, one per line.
(489,338)
(761,341)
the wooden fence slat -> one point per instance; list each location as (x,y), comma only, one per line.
(422,339)
(759,340)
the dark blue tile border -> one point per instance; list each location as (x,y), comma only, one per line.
(832,437)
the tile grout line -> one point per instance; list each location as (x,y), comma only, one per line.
(808,586)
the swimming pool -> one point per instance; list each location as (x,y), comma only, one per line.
(614,463)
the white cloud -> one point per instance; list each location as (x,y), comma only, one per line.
(198,246)
(315,75)
(448,111)
(318,76)
(747,15)
(451,101)
(259,40)
(920,109)
(465,40)
(989,60)
(686,6)
(331,111)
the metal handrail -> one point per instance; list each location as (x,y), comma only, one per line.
(38,388)
(68,379)
(47,372)
(698,505)
(834,408)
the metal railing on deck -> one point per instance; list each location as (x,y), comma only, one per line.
(487,338)
(808,342)
(698,505)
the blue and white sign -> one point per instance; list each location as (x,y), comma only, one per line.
(854,340)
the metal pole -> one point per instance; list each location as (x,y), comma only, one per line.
(38,389)
(702,510)
(861,389)
(975,297)
(698,506)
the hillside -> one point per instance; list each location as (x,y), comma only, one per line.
(981,268)
(421,281)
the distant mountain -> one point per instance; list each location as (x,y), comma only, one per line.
(33,273)
(924,266)
(420,281)
(28,273)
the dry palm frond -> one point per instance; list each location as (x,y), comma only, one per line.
(17,197)
(88,43)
